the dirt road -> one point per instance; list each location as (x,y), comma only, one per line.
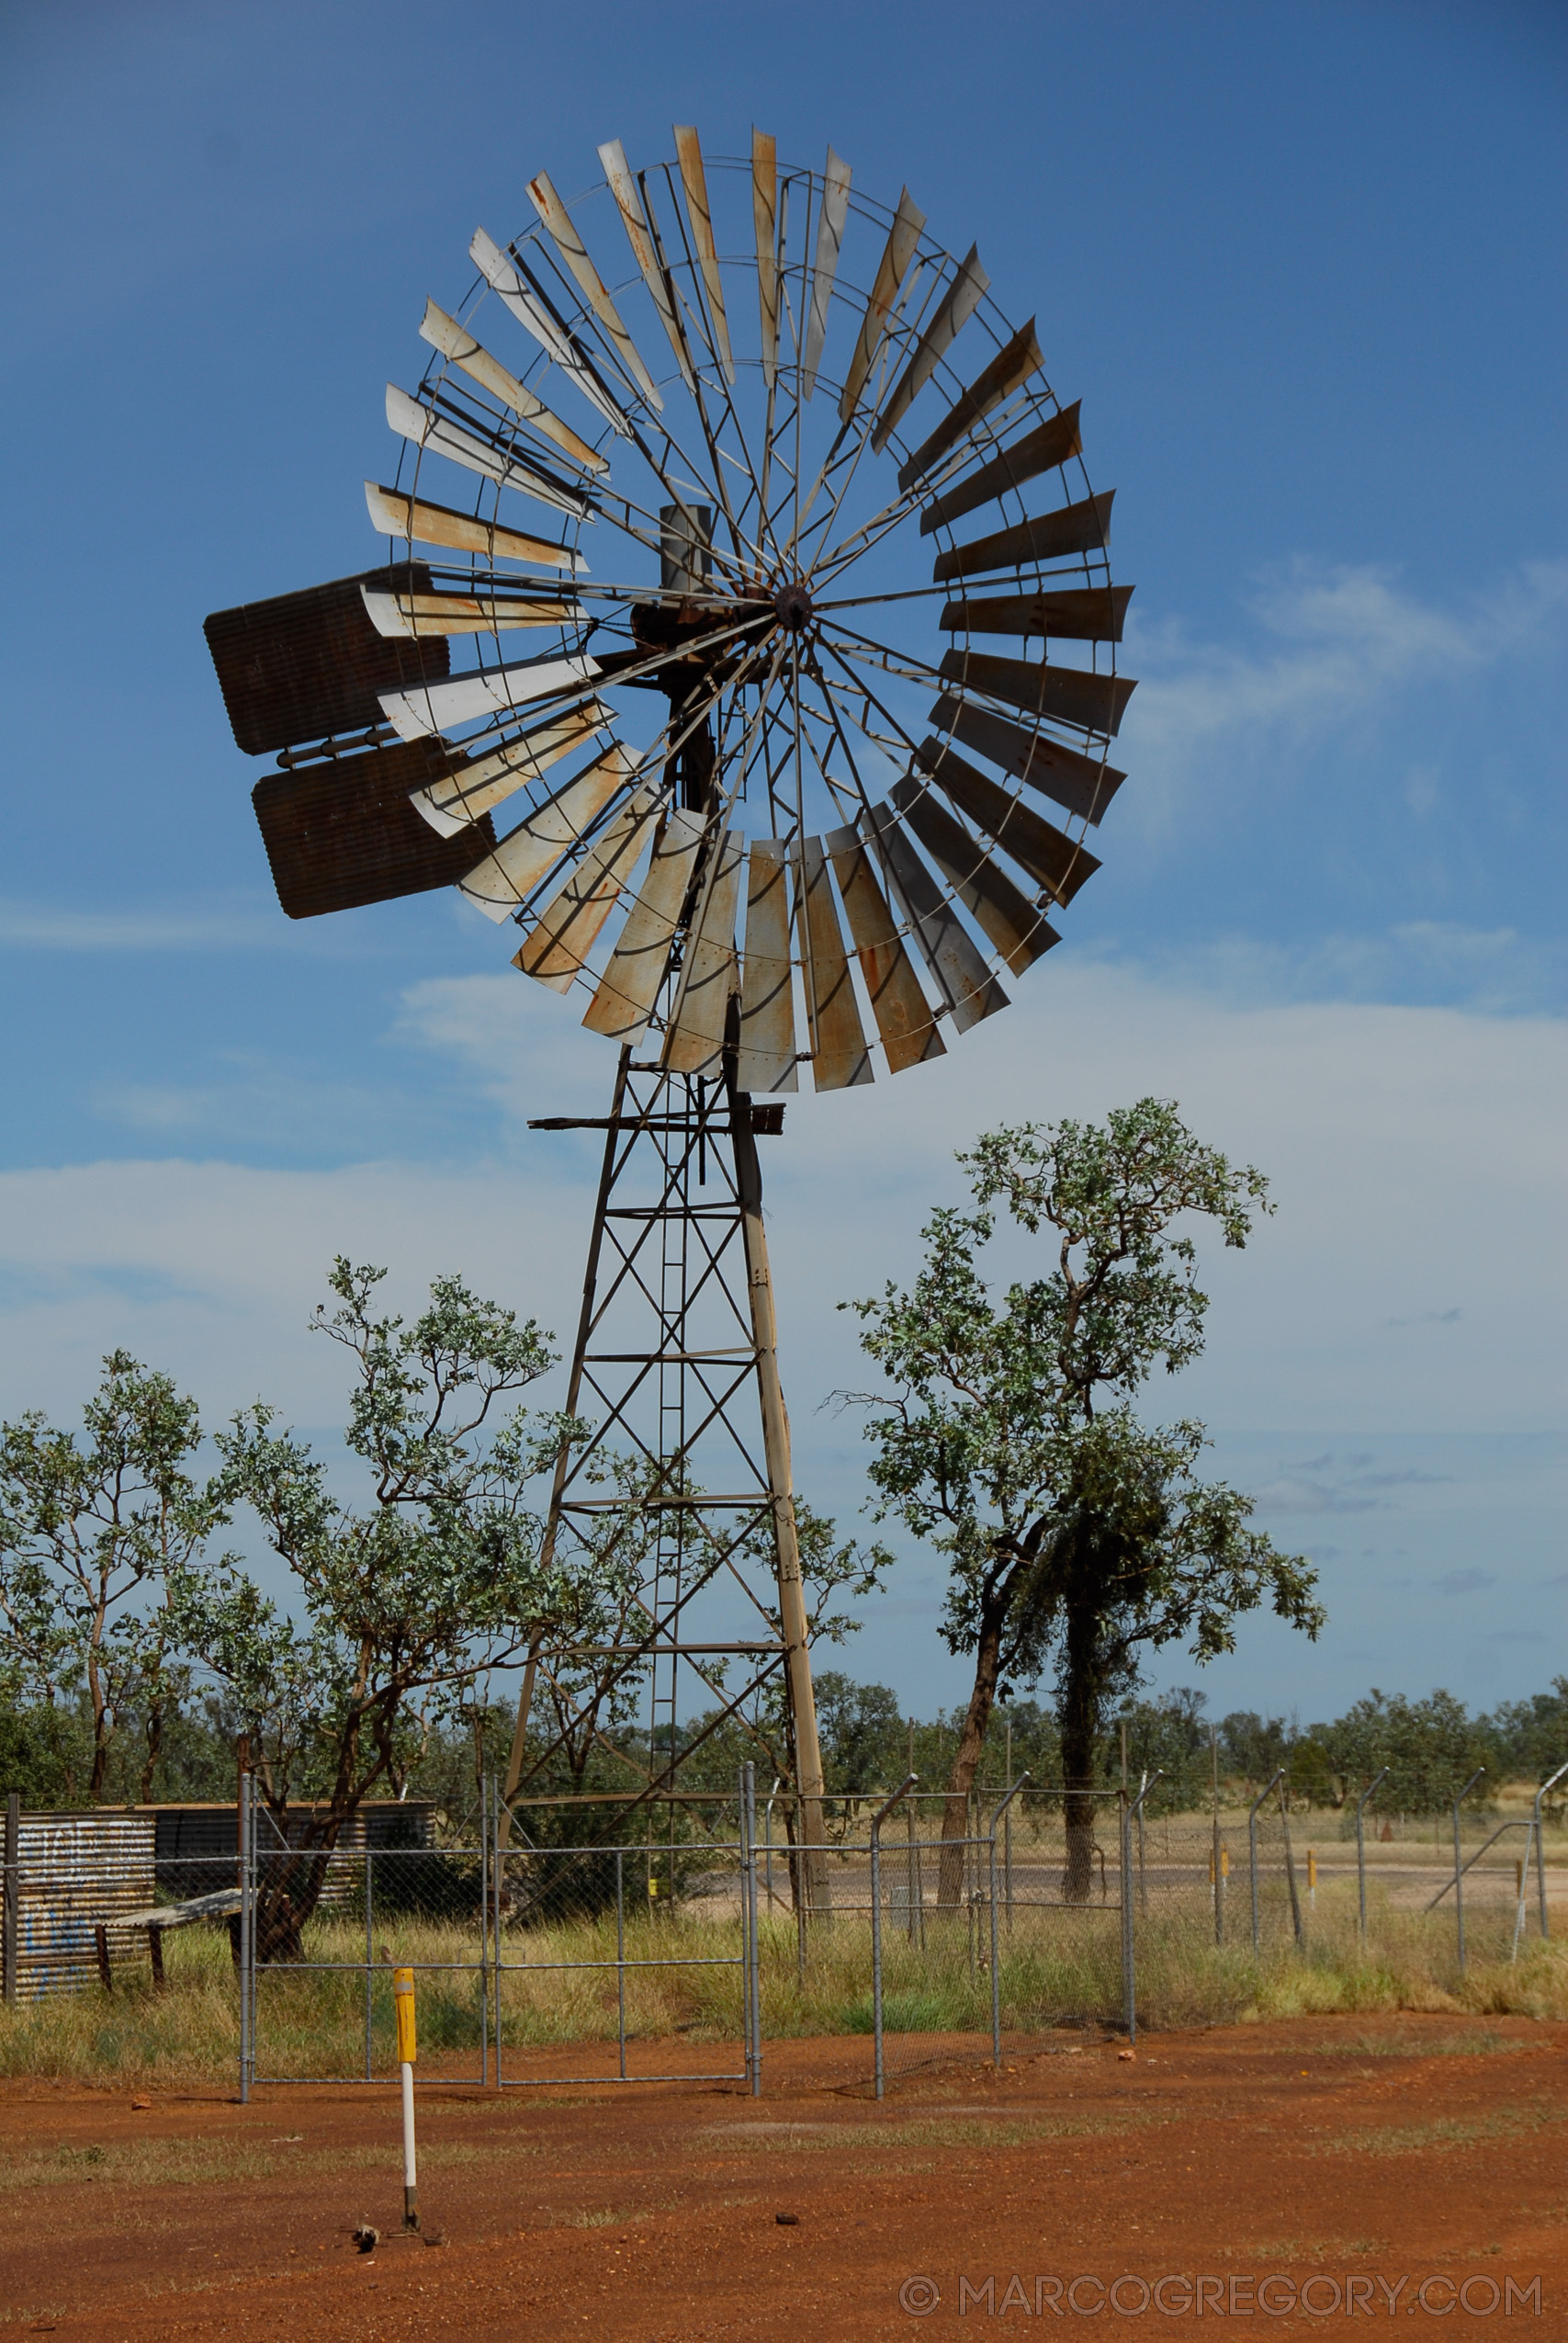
(1332,2158)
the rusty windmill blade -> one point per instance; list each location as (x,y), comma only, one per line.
(503,882)
(397,513)
(1092,703)
(414,614)
(693,178)
(574,252)
(903,242)
(629,204)
(568,928)
(709,976)
(824,265)
(525,297)
(1058,864)
(904,1017)
(637,970)
(1081,783)
(1076,613)
(1083,527)
(969,287)
(477,785)
(968,987)
(1017,929)
(455,341)
(1007,372)
(840,1059)
(765,226)
(489,692)
(1038,451)
(478,451)
(766,1054)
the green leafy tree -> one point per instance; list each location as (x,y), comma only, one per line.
(402,1605)
(1431,1748)
(94,1533)
(1077,1537)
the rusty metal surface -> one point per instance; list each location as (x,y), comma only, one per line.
(840,1059)
(508,876)
(1017,927)
(636,969)
(508,275)
(456,342)
(1053,860)
(953,312)
(1084,527)
(415,614)
(1068,694)
(903,241)
(696,1041)
(765,226)
(343,832)
(1080,783)
(629,204)
(1026,459)
(480,451)
(904,1017)
(1012,367)
(568,928)
(490,691)
(767,1055)
(481,782)
(693,178)
(958,971)
(311,665)
(825,265)
(397,513)
(574,252)
(1079,613)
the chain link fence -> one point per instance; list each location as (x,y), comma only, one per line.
(604,1939)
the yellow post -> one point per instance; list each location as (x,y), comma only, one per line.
(407,2050)
(1312,1879)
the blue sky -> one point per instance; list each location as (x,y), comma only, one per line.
(1302,265)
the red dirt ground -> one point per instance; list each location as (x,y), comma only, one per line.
(1350,2152)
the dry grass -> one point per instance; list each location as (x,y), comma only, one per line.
(683,1983)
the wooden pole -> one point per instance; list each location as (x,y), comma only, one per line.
(776,1454)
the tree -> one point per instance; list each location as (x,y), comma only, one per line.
(94,1535)
(403,1606)
(1077,1537)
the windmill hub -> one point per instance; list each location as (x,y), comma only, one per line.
(793,605)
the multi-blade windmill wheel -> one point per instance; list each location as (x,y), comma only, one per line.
(745,637)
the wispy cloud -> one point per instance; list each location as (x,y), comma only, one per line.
(1465,1582)
(1338,640)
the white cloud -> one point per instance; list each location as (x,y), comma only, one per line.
(1394,1204)
(1346,636)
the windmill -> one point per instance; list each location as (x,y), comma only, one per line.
(769,787)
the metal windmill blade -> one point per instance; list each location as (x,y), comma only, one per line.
(728,461)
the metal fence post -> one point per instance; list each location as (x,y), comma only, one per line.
(1459,1868)
(1362,1852)
(369,1949)
(1133,1817)
(247,1935)
(1551,1784)
(751,2012)
(1003,1814)
(1291,1864)
(620,1955)
(876,1822)
(13,1889)
(485,1786)
(1252,1852)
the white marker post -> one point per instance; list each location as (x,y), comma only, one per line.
(407,2050)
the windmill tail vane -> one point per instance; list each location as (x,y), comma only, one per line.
(767,783)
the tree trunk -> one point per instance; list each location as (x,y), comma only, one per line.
(1080,1731)
(971,1741)
(155,1748)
